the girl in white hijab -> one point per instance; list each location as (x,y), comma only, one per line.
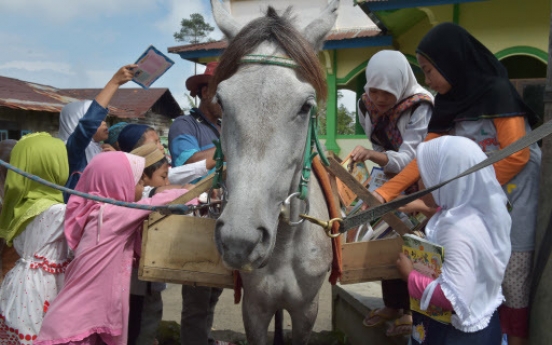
(394,111)
(473,226)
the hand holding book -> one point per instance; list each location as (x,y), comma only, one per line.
(405,266)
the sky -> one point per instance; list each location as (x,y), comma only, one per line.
(81,44)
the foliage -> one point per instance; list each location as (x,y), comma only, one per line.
(193,30)
(191,103)
(345,119)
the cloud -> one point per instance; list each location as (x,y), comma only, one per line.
(68,10)
(38,66)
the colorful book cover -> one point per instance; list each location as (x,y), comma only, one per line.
(359,172)
(152,64)
(427,259)
(377,178)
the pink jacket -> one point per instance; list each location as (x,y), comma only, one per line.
(95,297)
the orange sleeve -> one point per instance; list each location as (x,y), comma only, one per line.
(508,130)
(406,178)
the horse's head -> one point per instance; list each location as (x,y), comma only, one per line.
(266,110)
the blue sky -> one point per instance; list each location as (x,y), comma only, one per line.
(82,43)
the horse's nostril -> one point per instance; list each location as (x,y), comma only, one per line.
(264,234)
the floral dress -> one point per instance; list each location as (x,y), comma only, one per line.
(30,287)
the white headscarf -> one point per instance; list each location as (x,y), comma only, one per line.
(473,225)
(68,121)
(388,70)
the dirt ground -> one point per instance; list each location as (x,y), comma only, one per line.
(228,325)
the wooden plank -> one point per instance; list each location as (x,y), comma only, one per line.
(370,261)
(202,186)
(186,277)
(182,244)
(369,274)
(341,173)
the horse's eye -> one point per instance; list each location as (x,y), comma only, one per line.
(305,109)
(219,101)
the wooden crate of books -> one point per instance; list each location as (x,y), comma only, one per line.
(375,259)
(181,249)
(372,255)
(370,260)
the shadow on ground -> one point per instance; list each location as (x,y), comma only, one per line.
(169,334)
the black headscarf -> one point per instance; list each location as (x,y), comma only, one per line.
(480,84)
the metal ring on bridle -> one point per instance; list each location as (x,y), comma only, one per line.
(286,209)
(214,212)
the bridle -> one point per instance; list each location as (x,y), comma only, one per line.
(311,142)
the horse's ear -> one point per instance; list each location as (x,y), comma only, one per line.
(316,31)
(226,23)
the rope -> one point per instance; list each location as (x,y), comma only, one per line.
(164,209)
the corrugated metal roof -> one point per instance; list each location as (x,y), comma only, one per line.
(132,103)
(335,35)
(127,103)
(19,94)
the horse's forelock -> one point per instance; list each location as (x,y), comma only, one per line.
(279,30)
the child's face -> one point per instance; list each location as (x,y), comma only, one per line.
(139,190)
(433,78)
(150,137)
(159,178)
(383,100)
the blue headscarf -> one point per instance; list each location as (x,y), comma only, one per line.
(130,135)
(114,132)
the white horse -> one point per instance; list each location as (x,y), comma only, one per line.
(268,80)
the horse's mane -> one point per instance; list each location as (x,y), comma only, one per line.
(279,30)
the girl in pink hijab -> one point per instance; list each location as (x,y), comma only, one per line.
(92,307)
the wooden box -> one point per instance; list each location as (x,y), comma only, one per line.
(181,249)
(371,260)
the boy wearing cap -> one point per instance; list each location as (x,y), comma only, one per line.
(191,140)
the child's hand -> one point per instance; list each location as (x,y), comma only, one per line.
(360,154)
(107,147)
(415,206)
(124,74)
(404,265)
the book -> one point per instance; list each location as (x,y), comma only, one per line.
(377,178)
(359,172)
(427,258)
(152,64)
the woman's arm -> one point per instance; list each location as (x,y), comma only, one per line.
(509,130)
(408,176)
(413,134)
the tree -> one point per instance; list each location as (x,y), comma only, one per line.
(345,119)
(193,30)
(191,103)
